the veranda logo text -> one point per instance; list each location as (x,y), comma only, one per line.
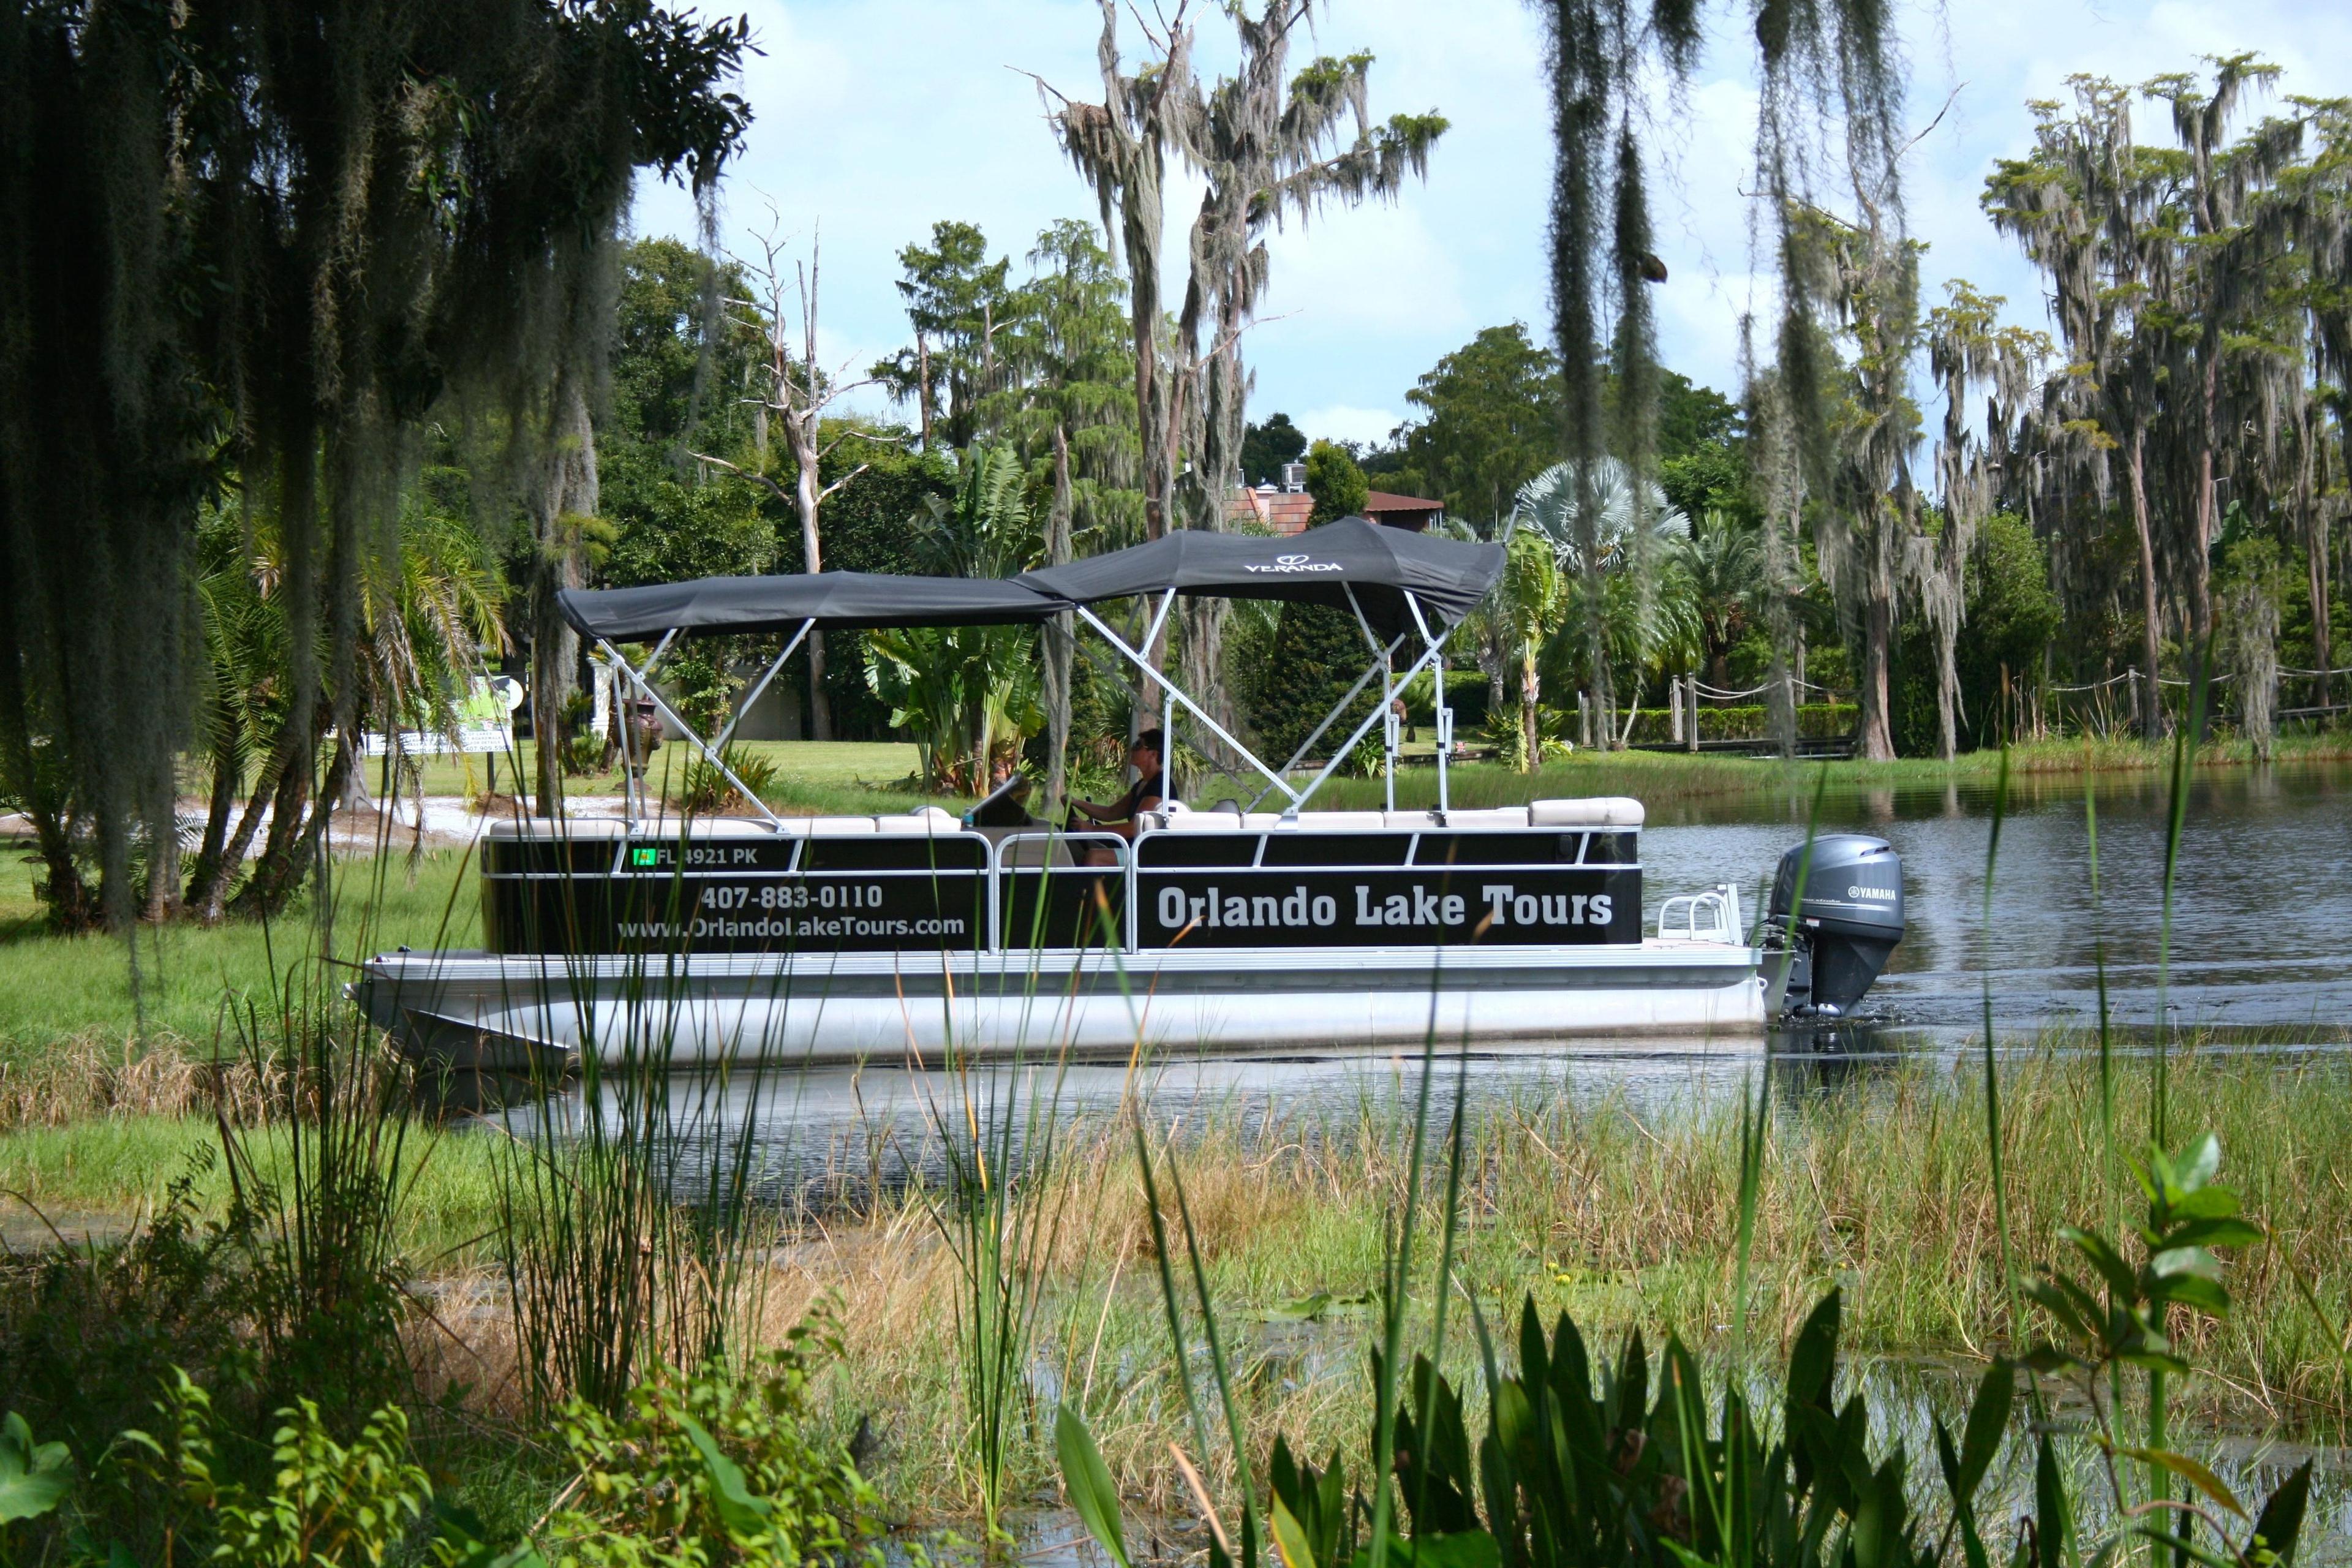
(1283,563)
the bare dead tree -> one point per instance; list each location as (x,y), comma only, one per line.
(793,396)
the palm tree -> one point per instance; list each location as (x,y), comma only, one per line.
(1725,564)
(1527,612)
(426,614)
(1608,557)
(971,694)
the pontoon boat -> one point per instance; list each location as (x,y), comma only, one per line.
(1257,924)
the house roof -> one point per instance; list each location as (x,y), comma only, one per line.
(1382,500)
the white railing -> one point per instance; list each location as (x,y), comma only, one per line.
(1712,916)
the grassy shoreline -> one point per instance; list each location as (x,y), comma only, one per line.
(1880,1187)
(82,995)
(1661,776)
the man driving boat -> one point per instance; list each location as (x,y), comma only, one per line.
(1151,787)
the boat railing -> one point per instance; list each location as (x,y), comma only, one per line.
(1712,916)
(1054,889)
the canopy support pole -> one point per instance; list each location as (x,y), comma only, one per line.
(1332,717)
(1388,699)
(644,688)
(745,706)
(1443,712)
(1436,650)
(1176,698)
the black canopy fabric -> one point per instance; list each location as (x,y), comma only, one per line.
(1383,564)
(714,606)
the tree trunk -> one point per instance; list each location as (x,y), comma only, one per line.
(206,870)
(1780,700)
(1878,645)
(2151,702)
(2322,640)
(1531,693)
(279,875)
(2200,564)
(276,870)
(209,900)
(1948,692)
(800,432)
(568,495)
(1057,636)
(74,905)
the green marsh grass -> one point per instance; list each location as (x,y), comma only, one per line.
(1624,1217)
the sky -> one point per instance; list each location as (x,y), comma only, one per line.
(873,119)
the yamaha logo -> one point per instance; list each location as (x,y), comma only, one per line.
(1295,563)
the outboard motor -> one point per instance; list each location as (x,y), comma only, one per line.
(1847,922)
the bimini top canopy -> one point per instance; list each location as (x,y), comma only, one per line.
(1319,566)
(715,606)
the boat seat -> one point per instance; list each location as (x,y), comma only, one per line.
(1489,816)
(1341,822)
(1596,811)
(571,827)
(928,821)
(1200,821)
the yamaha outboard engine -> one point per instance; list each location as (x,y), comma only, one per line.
(1848,920)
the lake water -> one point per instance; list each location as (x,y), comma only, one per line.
(2260,959)
(2261,910)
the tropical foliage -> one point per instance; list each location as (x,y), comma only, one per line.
(969,696)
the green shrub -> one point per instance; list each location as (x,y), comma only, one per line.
(714,1467)
(1467,692)
(1509,742)
(706,790)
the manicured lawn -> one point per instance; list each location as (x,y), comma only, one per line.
(174,985)
(811,778)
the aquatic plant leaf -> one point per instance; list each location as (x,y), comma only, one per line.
(2207,1203)
(2281,1524)
(2048,1294)
(1085,1480)
(1988,1419)
(2215,1231)
(2121,1279)
(1299,1309)
(34,1476)
(2174,1262)
(1462,1549)
(2188,1470)
(2193,1290)
(1812,1360)
(738,1509)
(1964,1513)
(1289,1539)
(2054,1517)
(2186,1547)
(2196,1165)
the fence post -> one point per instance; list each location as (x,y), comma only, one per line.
(1691,744)
(1675,709)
